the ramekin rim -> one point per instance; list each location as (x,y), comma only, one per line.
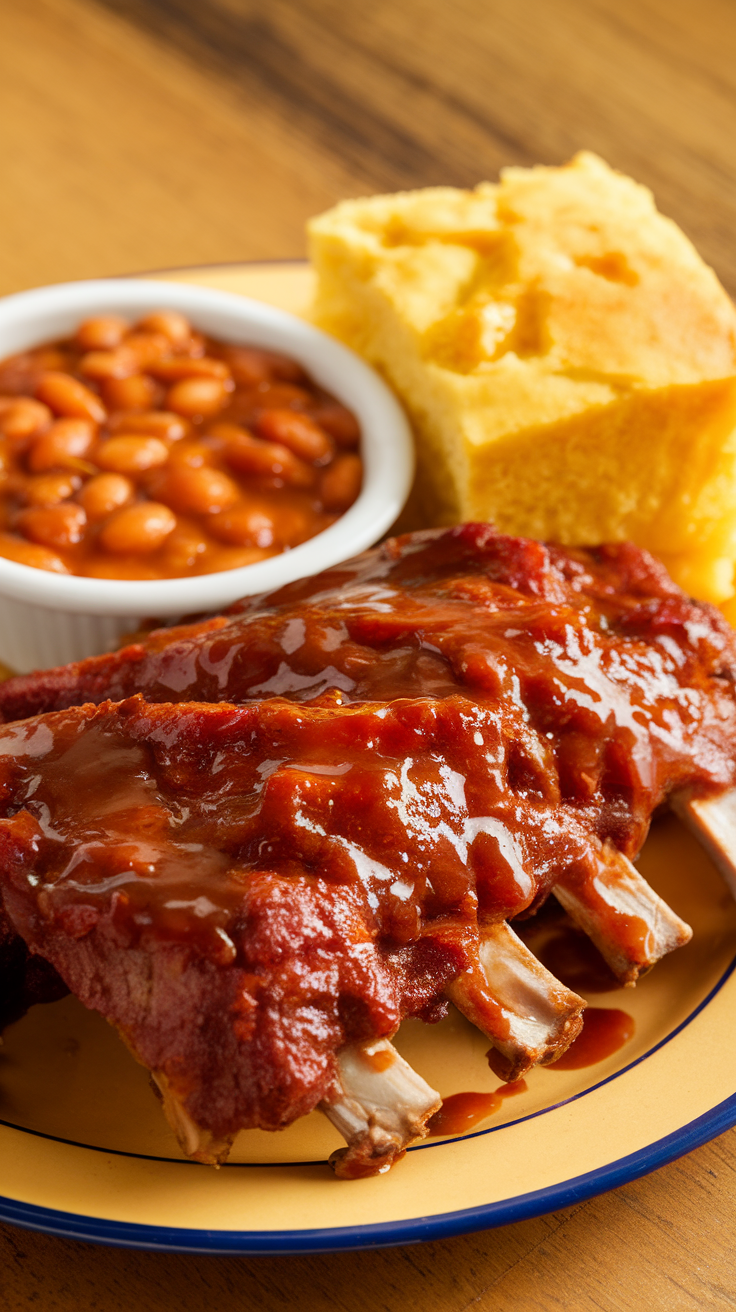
(387,450)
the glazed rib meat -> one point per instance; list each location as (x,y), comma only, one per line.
(586,639)
(318,815)
(626,680)
(244,891)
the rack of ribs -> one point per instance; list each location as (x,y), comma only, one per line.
(258,842)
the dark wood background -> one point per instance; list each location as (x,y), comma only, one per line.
(141,134)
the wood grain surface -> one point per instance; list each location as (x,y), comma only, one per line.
(140,134)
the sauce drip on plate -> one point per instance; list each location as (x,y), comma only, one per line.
(605,1030)
(461,1111)
(567,953)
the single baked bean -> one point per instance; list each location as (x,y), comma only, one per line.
(283,396)
(170,323)
(156,423)
(105,493)
(50,489)
(102,333)
(24,417)
(137,529)
(67,396)
(192,454)
(184,548)
(294,524)
(226,433)
(198,491)
(65,443)
(339,422)
(53,526)
(340,482)
(183,366)
(148,348)
(250,455)
(250,365)
(298,432)
(108,364)
(244,525)
(197,396)
(139,392)
(132,454)
(28,553)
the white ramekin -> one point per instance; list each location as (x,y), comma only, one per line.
(48,619)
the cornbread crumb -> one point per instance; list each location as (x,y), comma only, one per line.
(566,357)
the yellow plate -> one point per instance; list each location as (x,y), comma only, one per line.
(85,1151)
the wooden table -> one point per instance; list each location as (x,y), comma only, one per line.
(150,133)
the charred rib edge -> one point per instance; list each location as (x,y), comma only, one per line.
(380,1107)
(628,922)
(713,822)
(529,1016)
(194,1141)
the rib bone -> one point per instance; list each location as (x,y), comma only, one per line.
(631,926)
(529,1016)
(194,1141)
(713,822)
(381,1107)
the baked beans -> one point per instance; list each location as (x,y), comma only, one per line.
(147,450)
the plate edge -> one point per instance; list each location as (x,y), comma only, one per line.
(384,1234)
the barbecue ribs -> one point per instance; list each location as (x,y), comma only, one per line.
(281,831)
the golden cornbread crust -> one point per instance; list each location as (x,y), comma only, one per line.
(567,359)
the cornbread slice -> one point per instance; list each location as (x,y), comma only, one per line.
(567,359)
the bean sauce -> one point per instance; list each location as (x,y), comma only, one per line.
(148,451)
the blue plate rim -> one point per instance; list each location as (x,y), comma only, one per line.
(385,1234)
(417,1147)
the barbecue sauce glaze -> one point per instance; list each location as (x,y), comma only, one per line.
(428,737)
(626,684)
